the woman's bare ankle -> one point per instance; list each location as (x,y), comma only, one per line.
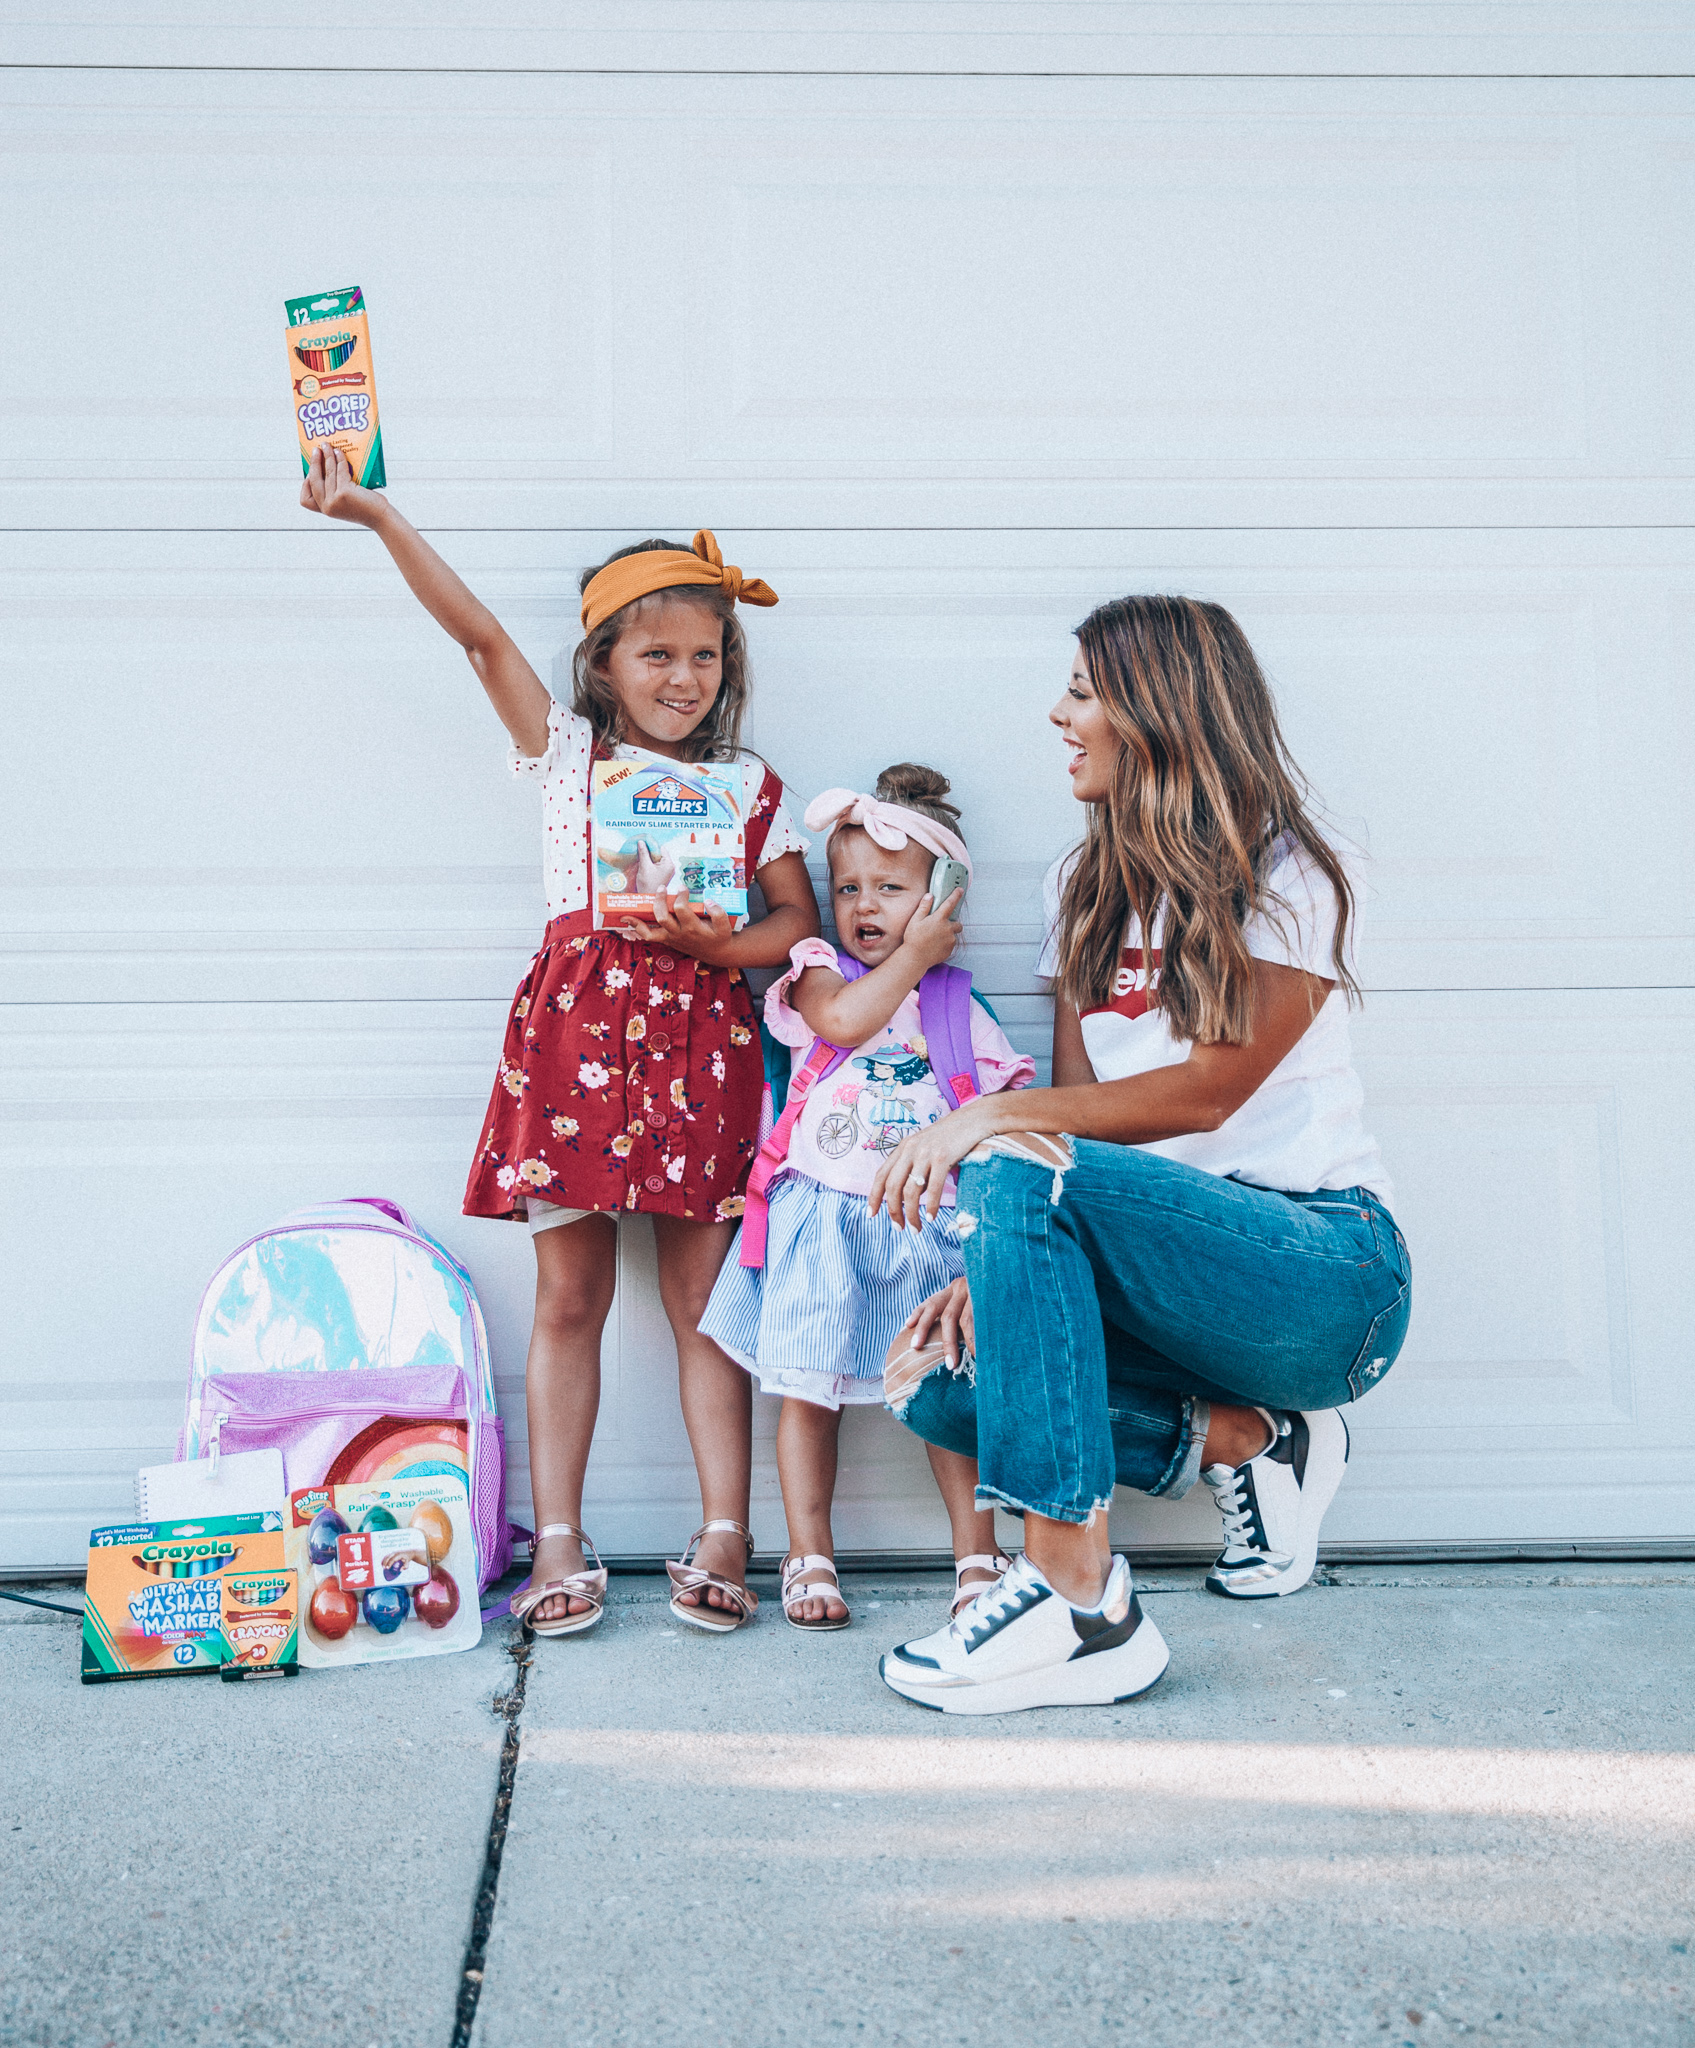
(1234,1435)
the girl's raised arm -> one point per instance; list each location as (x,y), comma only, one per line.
(519,696)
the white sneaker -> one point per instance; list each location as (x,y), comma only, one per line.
(1020,1644)
(1273,1504)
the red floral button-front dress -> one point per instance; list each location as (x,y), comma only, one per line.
(631,1076)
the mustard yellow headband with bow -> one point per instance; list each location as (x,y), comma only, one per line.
(632,576)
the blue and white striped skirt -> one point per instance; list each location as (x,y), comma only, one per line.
(816,1324)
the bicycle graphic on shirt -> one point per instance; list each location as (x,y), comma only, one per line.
(876,1108)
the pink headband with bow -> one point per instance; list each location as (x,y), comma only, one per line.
(888,825)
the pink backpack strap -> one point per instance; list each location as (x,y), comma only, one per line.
(822,1061)
(944,1014)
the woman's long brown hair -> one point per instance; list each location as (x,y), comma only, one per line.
(718,737)
(1203,791)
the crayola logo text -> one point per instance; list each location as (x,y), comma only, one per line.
(181,1553)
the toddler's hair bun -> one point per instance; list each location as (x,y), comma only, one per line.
(919,789)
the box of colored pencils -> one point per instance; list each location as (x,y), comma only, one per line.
(335,391)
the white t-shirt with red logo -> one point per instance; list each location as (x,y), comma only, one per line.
(1303,1128)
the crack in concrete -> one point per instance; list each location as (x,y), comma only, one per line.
(510,1706)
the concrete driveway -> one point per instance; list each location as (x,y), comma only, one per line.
(1404,1806)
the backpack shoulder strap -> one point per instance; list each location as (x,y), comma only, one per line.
(821,1061)
(944,1015)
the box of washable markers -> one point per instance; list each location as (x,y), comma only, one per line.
(335,389)
(155,1601)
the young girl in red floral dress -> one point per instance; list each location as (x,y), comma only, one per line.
(631,1076)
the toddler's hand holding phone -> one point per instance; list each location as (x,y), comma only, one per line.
(932,934)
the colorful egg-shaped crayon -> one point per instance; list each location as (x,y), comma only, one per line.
(385,1608)
(379,1518)
(437,1600)
(429,1518)
(327,1525)
(332,1612)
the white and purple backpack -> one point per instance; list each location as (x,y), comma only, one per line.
(332,1320)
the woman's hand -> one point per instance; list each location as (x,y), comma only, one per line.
(329,488)
(698,929)
(914,1177)
(944,1319)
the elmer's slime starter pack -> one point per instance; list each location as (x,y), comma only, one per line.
(155,1601)
(665,828)
(335,393)
(386,1569)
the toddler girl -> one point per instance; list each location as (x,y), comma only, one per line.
(630,1079)
(817,1287)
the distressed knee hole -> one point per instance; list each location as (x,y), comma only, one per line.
(1035,1148)
(907,1371)
(964,1223)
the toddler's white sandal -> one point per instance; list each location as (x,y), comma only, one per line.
(798,1588)
(983,1561)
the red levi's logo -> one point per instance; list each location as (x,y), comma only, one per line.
(1130,986)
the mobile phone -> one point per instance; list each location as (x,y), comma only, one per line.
(945,877)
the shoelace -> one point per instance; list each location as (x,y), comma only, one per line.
(987,1604)
(1232,1499)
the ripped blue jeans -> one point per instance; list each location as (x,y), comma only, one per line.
(1117,1298)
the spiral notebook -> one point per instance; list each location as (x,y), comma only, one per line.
(239,1483)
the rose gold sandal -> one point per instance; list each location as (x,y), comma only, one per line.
(694,1578)
(584,1585)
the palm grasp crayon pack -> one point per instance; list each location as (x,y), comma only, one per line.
(335,391)
(155,1601)
(386,1569)
(667,827)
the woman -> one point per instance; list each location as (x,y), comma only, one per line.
(1179,1259)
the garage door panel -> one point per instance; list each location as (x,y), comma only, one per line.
(1398,293)
(1534,1141)
(1602,38)
(1397,368)
(162,362)
(301,792)
(1249,282)
(1526,1134)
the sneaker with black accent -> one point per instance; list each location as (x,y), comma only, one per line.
(1021,1644)
(1272,1506)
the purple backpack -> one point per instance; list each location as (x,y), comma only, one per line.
(944,1016)
(337,1317)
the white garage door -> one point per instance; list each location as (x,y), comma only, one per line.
(952,320)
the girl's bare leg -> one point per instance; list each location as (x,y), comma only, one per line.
(973,1527)
(717,1394)
(807,1437)
(576,1270)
